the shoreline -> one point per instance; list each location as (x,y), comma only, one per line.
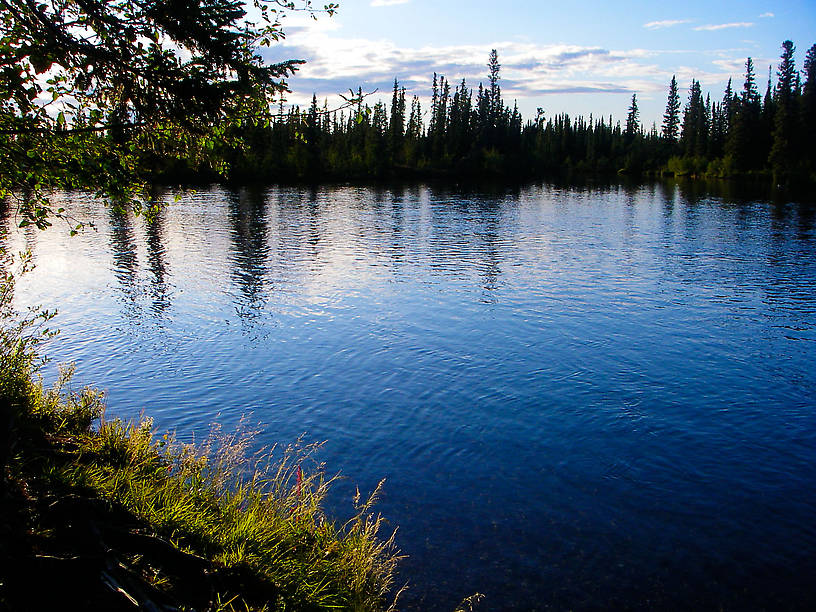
(113,516)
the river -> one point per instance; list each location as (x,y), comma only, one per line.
(580,396)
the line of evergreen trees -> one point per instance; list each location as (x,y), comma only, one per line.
(467,133)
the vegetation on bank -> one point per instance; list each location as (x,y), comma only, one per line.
(468,132)
(106,514)
(124,95)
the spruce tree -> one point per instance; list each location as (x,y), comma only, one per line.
(312,138)
(809,109)
(671,118)
(786,74)
(494,100)
(784,135)
(728,107)
(716,137)
(703,129)
(493,78)
(693,120)
(745,124)
(396,124)
(459,122)
(434,103)
(414,129)
(764,136)
(482,116)
(633,119)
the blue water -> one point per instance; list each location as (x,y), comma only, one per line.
(580,397)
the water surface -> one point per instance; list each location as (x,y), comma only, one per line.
(580,397)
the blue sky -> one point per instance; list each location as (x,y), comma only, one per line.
(577,57)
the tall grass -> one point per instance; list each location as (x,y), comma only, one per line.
(254,515)
(260,512)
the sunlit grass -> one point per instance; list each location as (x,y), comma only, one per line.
(261,512)
(256,516)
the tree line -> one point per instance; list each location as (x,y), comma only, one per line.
(463,131)
(472,131)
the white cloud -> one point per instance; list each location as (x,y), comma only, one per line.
(336,64)
(666,23)
(533,73)
(731,65)
(764,15)
(734,67)
(723,26)
(388,2)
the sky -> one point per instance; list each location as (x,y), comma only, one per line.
(579,57)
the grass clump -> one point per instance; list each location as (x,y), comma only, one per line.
(259,514)
(254,521)
(122,515)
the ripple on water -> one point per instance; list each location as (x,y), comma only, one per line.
(581,397)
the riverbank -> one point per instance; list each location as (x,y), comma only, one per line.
(107,515)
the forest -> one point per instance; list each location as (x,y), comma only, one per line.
(474,132)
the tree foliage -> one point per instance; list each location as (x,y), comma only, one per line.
(152,77)
(473,132)
(104,137)
(785,121)
(671,118)
(633,118)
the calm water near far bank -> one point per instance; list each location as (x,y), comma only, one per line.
(581,397)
